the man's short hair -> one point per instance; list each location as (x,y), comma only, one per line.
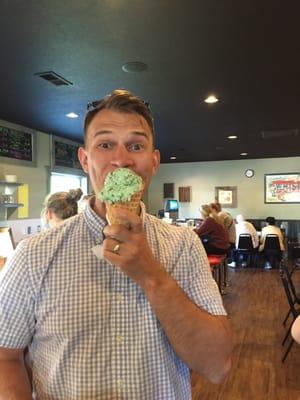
(122,101)
(270,220)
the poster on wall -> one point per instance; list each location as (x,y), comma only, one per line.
(282,188)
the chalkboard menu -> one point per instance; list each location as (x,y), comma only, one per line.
(16,144)
(65,153)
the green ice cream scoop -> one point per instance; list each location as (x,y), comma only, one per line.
(120,185)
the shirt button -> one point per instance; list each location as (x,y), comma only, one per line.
(120,297)
(120,339)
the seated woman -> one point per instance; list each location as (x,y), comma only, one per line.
(212,229)
(60,206)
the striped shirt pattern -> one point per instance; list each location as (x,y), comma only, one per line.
(90,329)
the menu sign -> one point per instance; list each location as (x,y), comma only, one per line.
(66,154)
(16,144)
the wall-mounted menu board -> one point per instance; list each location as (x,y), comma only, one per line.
(16,145)
(64,155)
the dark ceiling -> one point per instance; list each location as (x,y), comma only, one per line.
(247,52)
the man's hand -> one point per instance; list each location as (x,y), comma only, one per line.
(127,247)
(203,341)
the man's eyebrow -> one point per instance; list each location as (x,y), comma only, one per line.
(108,132)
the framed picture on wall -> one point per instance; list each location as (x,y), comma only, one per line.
(65,156)
(226,196)
(282,188)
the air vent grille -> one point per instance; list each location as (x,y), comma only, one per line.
(54,78)
(279,133)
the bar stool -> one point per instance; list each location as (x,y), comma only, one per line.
(216,262)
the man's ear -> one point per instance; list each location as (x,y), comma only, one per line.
(156,161)
(82,156)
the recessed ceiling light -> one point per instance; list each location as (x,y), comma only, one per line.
(72,115)
(211,99)
(243,154)
(133,67)
(232,137)
(173,158)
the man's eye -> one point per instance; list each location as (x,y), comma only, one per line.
(104,145)
(136,147)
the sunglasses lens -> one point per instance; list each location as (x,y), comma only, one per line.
(92,106)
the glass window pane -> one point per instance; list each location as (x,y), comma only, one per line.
(65,182)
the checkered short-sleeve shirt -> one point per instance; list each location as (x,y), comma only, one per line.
(91,331)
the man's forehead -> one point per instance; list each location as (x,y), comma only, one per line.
(108,120)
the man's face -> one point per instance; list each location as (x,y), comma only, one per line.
(114,140)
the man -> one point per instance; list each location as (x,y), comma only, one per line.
(129,324)
(271,229)
(243,227)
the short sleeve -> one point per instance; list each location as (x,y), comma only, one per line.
(16,301)
(202,288)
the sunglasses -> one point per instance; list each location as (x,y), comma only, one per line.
(95,105)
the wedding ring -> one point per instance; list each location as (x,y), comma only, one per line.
(116,248)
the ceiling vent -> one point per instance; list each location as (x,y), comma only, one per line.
(280,133)
(54,78)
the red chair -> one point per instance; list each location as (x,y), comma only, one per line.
(216,262)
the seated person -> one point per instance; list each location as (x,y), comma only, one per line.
(243,227)
(213,230)
(59,206)
(295,331)
(228,221)
(271,229)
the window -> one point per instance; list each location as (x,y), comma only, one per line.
(64,182)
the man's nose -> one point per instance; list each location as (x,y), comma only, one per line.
(122,157)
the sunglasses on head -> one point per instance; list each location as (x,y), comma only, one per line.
(94,105)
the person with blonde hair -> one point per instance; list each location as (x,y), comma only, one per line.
(212,232)
(61,205)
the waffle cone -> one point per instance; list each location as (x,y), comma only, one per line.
(133,206)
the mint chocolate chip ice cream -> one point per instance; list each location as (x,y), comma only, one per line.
(120,185)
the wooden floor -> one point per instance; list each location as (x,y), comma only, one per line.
(256,305)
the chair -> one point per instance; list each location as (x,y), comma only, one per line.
(245,248)
(295,295)
(295,313)
(216,263)
(295,253)
(272,250)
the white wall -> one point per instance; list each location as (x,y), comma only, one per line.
(22,227)
(204,176)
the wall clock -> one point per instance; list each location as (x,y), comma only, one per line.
(249,173)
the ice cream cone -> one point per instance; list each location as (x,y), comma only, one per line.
(133,206)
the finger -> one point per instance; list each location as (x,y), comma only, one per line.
(127,219)
(111,245)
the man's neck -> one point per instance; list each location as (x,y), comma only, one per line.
(99,208)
